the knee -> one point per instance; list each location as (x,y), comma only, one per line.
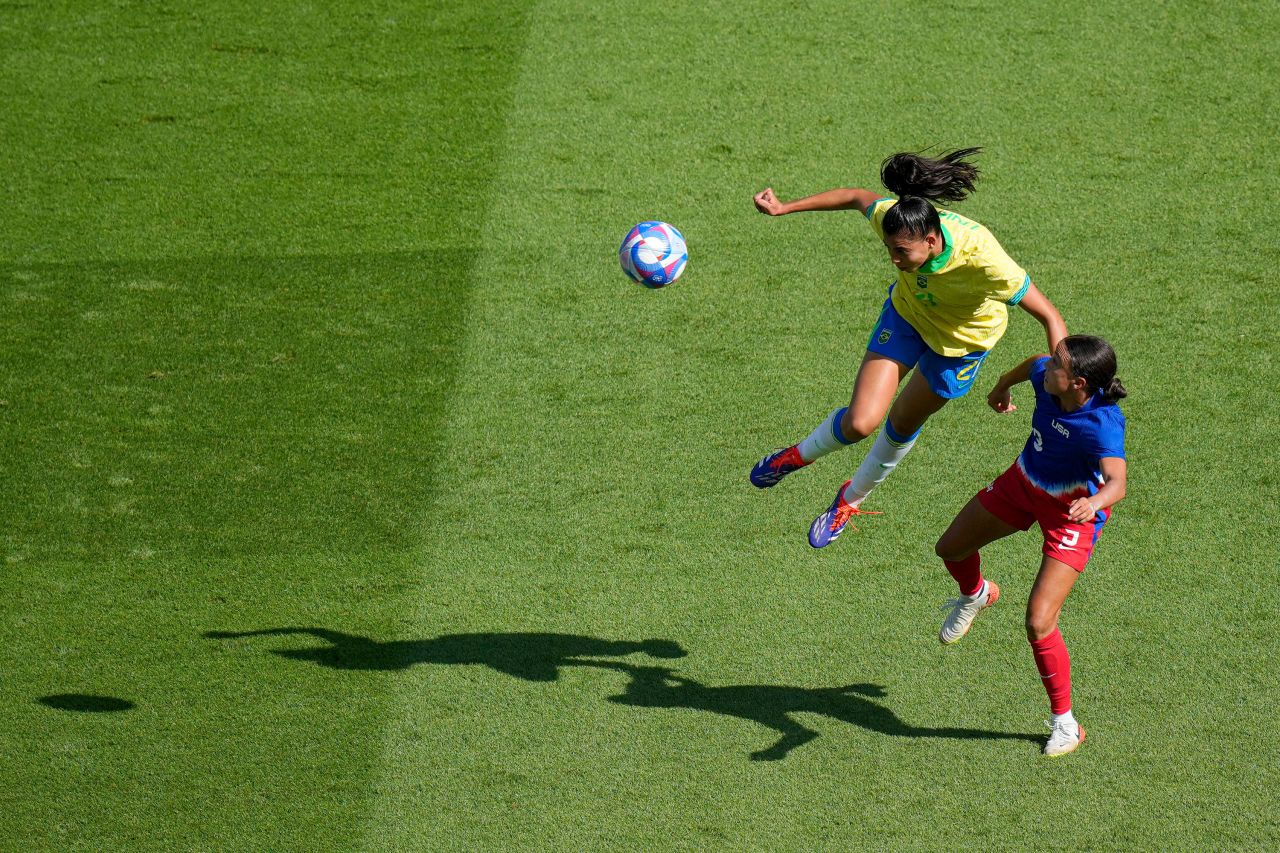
(1040,624)
(903,427)
(948,551)
(955,545)
(857,427)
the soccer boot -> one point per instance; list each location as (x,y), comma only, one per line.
(827,527)
(1064,737)
(770,470)
(963,610)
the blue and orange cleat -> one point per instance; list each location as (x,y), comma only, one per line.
(827,527)
(770,470)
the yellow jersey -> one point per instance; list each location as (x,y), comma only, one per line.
(957,300)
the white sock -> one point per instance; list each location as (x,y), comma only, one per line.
(982,590)
(881,459)
(826,438)
(1065,718)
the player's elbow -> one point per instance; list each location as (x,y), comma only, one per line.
(1116,485)
(1049,317)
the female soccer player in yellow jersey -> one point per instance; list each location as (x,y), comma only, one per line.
(945,311)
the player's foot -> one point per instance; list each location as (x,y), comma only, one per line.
(770,470)
(1065,737)
(827,527)
(963,610)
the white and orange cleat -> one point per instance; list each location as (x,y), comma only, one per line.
(963,611)
(1065,737)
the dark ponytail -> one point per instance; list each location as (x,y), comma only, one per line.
(1094,360)
(917,181)
(946,178)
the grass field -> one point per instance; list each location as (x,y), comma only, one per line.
(355,500)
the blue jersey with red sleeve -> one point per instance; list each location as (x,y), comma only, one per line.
(1062,455)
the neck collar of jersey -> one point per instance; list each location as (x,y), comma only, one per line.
(941,260)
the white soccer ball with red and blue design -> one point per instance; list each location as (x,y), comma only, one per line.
(653,254)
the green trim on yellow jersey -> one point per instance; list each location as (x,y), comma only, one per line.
(940,261)
(871,208)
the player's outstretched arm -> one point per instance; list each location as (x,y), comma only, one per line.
(837,199)
(1038,305)
(1115,474)
(1000,399)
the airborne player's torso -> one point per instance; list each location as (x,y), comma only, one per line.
(957,300)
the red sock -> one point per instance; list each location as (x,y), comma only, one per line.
(1055,670)
(967,573)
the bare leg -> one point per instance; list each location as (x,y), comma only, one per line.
(971,529)
(1048,594)
(914,406)
(1051,588)
(873,389)
(878,379)
(959,547)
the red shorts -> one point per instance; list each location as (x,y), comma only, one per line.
(1013,499)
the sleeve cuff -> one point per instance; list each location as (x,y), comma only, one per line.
(1022,291)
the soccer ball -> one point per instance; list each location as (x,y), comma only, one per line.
(653,254)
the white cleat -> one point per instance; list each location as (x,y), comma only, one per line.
(963,610)
(1064,738)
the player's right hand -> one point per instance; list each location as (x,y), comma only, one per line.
(767,202)
(1001,400)
(1081,510)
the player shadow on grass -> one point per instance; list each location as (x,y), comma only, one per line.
(531,656)
(539,657)
(771,705)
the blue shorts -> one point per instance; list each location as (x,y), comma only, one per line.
(948,376)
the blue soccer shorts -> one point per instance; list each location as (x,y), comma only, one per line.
(949,376)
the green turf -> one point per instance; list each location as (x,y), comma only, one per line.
(313,329)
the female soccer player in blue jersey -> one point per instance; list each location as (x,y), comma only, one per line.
(945,311)
(1069,474)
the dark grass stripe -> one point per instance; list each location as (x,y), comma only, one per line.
(228,407)
(238,249)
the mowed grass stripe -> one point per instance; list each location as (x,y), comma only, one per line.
(226,422)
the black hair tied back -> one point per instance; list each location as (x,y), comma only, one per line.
(912,215)
(949,177)
(1095,360)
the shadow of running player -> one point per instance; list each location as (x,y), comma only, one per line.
(530,656)
(772,706)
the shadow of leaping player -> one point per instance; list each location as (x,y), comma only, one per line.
(772,706)
(528,656)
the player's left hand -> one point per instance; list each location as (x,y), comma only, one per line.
(1082,510)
